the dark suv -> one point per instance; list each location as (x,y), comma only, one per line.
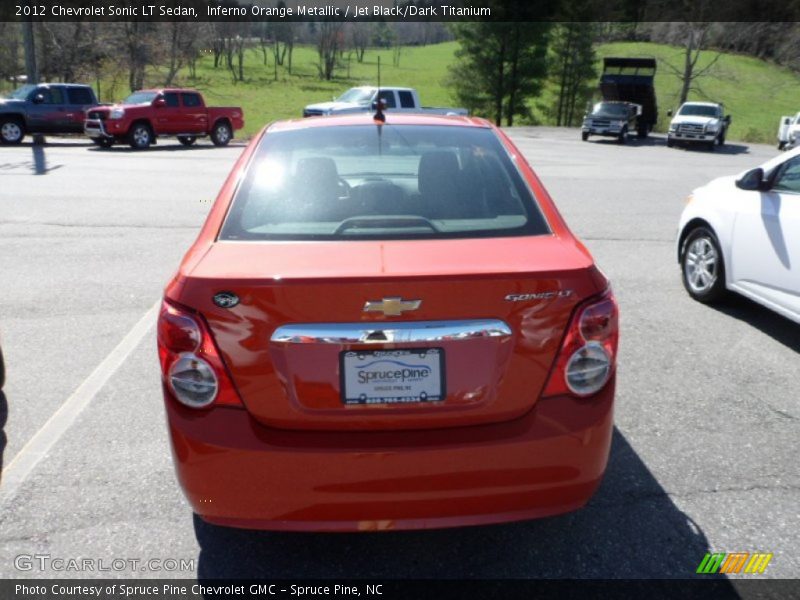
(44,108)
(612,119)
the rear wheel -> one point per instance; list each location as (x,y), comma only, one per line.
(642,131)
(584,136)
(140,136)
(221,134)
(702,266)
(187,140)
(11,131)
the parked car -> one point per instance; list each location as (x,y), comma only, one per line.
(632,80)
(386,327)
(362,99)
(788,131)
(44,108)
(699,123)
(146,115)
(611,119)
(742,234)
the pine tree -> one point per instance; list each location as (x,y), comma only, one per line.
(499,67)
(572,69)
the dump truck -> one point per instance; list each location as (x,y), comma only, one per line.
(631,80)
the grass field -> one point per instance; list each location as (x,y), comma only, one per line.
(755,93)
(264,99)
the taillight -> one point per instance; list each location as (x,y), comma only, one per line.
(190,361)
(588,353)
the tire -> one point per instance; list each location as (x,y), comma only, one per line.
(721,139)
(584,136)
(221,134)
(642,132)
(623,136)
(187,140)
(781,145)
(140,136)
(670,142)
(12,131)
(702,266)
(103,142)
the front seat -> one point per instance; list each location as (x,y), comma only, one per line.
(316,189)
(439,179)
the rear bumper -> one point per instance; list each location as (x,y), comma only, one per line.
(236,472)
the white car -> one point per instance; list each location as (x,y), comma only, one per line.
(743,234)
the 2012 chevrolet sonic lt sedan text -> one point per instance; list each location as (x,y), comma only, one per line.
(386,326)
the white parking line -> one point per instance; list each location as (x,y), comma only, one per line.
(15,473)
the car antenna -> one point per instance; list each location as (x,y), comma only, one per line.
(379,117)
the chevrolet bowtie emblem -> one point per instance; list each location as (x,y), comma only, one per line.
(391,307)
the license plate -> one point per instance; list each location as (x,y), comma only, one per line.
(392,376)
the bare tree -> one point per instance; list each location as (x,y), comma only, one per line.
(137,41)
(180,41)
(694,44)
(10,52)
(329,41)
(360,36)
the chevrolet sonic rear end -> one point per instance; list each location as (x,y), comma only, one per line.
(386,326)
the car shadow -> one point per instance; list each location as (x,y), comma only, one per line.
(630,529)
(727,149)
(660,140)
(64,143)
(632,140)
(769,322)
(120,149)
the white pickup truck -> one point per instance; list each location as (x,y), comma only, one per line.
(699,123)
(789,132)
(362,99)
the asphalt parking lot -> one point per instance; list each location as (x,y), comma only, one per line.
(704,455)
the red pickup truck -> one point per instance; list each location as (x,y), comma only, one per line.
(146,115)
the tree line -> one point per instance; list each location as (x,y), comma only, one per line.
(126,54)
(500,70)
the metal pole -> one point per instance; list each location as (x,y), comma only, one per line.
(30,52)
(31,72)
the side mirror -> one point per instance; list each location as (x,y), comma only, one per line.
(38,99)
(159,103)
(787,121)
(669,113)
(753,180)
(727,119)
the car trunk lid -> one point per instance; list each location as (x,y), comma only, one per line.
(299,345)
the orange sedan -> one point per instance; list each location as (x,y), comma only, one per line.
(386,325)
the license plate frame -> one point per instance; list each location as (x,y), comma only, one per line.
(397,376)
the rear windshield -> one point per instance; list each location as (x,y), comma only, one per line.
(388,182)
